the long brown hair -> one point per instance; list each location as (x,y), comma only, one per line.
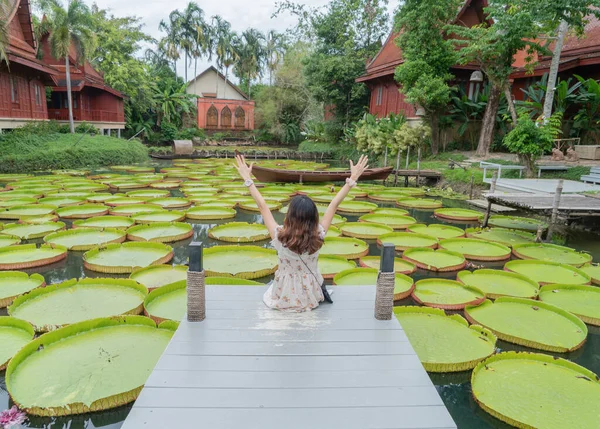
(300,231)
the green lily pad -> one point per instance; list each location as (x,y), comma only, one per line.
(124,200)
(210,213)
(394,194)
(12,202)
(60,201)
(82,211)
(346,247)
(102,197)
(516,222)
(332,231)
(393,221)
(239,232)
(592,270)
(231,281)
(14,334)
(352,207)
(497,283)
(18,212)
(8,240)
(159,216)
(582,301)
(156,276)
(446,294)
(365,230)
(419,203)
(167,303)
(15,283)
(477,250)
(437,230)
(95,365)
(435,260)
(552,253)
(161,232)
(102,222)
(73,301)
(31,231)
(545,272)
(458,214)
(330,265)
(246,262)
(445,343)
(508,237)
(29,256)
(86,238)
(400,265)
(171,203)
(390,211)
(403,285)
(530,323)
(126,257)
(408,240)
(521,390)
(148,193)
(251,205)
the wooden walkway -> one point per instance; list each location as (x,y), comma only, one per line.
(571,204)
(251,367)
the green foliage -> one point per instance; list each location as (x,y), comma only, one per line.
(169,131)
(586,122)
(190,133)
(172,101)
(21,150)
(159,150)
(565,95)
(85,128)
(316,147)
(529,140)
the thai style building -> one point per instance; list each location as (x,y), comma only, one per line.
(24,79)
(222,106)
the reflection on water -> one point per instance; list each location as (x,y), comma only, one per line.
(454,388)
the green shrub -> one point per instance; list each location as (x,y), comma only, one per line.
(85,128)
(159,150)
(308,146)
(529,141)
(168,131)
(190,133)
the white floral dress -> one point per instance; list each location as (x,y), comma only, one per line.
(295,288)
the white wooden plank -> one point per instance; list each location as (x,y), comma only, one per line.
(325,311)
(310,323)
(247,293)
(258,304)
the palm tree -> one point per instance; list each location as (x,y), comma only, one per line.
(252,55)
(171,43)
(224,40)
(68,28)
(172,101)
(275,49)
(4,12)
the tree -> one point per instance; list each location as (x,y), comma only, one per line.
(251,53)
(70,28)
(172,101)
(172,41)
(187,26)
(224,45)
(275,48)
(424,75)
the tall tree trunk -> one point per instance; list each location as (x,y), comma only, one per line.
(195,72)
(553,74)
(511,105)
(175,68)
(69,95)
(434,121)
(225,87)
(486,137)
(185,65)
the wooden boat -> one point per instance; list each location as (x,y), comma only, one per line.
(275,175)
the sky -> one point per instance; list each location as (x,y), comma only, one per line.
(241,14)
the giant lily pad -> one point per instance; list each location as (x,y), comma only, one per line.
(332,231)
(126,257)
(403,285)
(251,205)
(159,216)
(73,301)
(400,265)
(419,203)
(366,230)
(210,213)
(446,294)
(148,193)
(12,202)
(29,256)
(14,334)
(346,247)
(592,270)
(60,201)
(231,281)
(465,215)
(582,301)
(18,212)
(102,197)
(31,231)
(133,209)
(390,211)
(393,221)
(545,272)
(531,390)
(445,343)
(394,194)
(352,207)
(86,238)
(437,230)
(167,303)
(102,222)
(552,253)
(246,262)
(161,232)
(15,283)
(239,232)
(408,240)
(330,265)
(156,276)
(515,222)
(477,250)
(530,323)
(497,283)
(8,240)
(82,211)
(171,202)
(95,365)
(435,260)
(508,237)
(123,201)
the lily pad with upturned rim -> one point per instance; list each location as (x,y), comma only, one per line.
(393,221)
(132,209)
(231,281)
(516,222)
(82,211)
(101,222)
(439,260)
(521,390)
(419,203)
(239,232)
(508,237)
(346,247)
(156,276)
(592,270)
(73,301)
(14,334)
(159,216)
(18,212)
(210,213)
(124,200)
(365,230)
(445,343)
(497,283)
(161,232)
(24,256)
(72,354)
(251,206)
(446,294)
(330,265)
(80,239)
(352,207)
(393,194)
(126,257)
(167,303)
(15,283)
(552,253)
(246,262)
(408,240)
(31,231)
(437,230)
(391,211)
(148,193)
(545,272)
(477,250)
(530,323)
(171,202)
(465,215)
(12,202)
(400,265)
(403,285)
(60,201)
(9,240)
(582,301)
(333,231)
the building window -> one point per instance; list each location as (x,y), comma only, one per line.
(379,98)
(38,95)
(14,90)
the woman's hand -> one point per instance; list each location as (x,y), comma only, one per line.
(243,168)
(359,168)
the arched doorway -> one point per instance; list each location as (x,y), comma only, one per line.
(225,117)
(240,117)
(212,117)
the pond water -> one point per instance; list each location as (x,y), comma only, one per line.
(454,388)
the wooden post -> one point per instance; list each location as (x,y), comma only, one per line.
(418,166)
(196,293)
(471,186)
(407,162)
(489,207)
(385,157)
(384,294)
(555,205)
(397,167)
